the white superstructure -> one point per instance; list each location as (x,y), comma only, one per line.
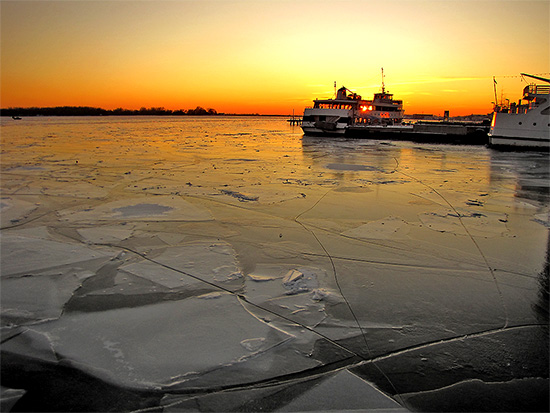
(334,116)
(331,116)
(524,124)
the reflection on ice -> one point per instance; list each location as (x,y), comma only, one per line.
(230,264)
(386,228)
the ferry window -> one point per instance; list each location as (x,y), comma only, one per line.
(520,123)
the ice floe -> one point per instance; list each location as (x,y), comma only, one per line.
(161,208)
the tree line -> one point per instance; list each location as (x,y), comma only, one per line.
(90,111)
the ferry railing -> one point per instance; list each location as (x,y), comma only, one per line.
(536,90)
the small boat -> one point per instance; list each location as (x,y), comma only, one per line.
(16,118)
(333,117)
(525,125)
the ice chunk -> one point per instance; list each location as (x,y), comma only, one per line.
(334,393)
(8,397)
(261,278)
(104,235)
(159,343)
(211,296)
(31,343)
(157,274)
(22,254)
(288,297)
(211,260)
(36,297)
(292,277)
(297,282)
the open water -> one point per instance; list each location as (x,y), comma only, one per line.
(231,264)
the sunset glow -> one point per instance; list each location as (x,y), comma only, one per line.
(269,57)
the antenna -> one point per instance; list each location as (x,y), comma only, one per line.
(383,86)
(495,89)
(335,89)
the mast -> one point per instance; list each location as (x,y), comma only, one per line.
(383,86)
(495,90)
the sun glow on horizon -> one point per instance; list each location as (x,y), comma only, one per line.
(267,58)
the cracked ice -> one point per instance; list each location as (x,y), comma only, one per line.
(232,264)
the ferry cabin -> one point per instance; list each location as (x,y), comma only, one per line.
(524,124)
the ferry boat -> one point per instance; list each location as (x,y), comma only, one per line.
(524,125)
(333,117)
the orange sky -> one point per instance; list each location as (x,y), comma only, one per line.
(269,57)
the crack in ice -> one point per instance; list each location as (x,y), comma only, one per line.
(459,216)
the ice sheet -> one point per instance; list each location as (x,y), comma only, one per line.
(219,264)
(151,345)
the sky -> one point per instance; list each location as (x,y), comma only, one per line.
(269,57)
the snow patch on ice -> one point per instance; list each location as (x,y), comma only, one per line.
(165,208)
(324,294)
(253,344)
(142,210)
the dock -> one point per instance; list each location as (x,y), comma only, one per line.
(295,120)
(436,132)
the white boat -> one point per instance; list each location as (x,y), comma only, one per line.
(332,117)
(524,124)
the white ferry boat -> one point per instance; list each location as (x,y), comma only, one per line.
(524,124)
(332,117)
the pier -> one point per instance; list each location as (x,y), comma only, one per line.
(295,121)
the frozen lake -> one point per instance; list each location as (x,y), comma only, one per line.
(231,264)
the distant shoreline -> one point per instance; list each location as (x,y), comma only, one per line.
(90,111)
(68,111)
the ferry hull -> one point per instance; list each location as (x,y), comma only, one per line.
(527,130)
(312,131)
(456,134)
(510,142)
